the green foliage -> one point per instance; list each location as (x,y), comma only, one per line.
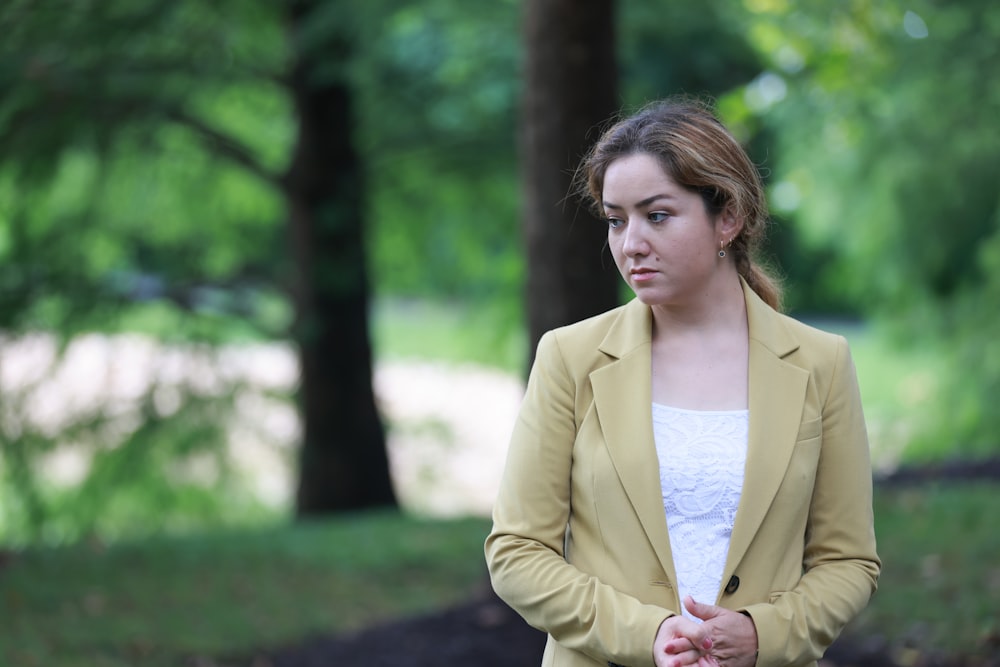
(440,91)
(664,49)
(229,593)
(142,143)
(133,451)
(884,117)
(133,140)
(181,101)
(965,419)
(438,96)
(138,146)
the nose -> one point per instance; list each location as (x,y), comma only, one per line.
(634,242)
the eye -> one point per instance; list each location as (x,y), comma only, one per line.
(615,223)
(658,216)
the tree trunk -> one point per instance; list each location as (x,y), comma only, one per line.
(570,89)
(343,464)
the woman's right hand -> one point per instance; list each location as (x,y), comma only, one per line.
(677,644)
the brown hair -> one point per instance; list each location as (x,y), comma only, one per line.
(699,153)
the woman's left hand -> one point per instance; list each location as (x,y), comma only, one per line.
(733,635)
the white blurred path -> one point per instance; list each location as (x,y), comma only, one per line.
(447,425)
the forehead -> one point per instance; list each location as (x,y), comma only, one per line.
(637,173)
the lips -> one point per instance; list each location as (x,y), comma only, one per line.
(641,273)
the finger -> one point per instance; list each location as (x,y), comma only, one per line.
(682,628)
(700,610)
(678,645)
(694,639)
(687,658)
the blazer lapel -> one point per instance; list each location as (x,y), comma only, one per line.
(777,392)
(623,400)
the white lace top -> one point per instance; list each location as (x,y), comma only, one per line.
(702,456)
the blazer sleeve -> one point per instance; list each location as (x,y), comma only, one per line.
(840,564)
(525,549)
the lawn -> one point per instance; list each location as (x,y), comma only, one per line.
(164,601)
(161,601)
(939,592)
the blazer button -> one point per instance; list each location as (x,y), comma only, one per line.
(734,583)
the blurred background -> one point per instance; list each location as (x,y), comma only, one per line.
(271,275)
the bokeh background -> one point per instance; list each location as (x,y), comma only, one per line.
(271,274)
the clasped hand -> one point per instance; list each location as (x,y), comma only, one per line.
(724,639)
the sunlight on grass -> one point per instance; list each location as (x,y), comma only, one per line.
(449,332)
(899,389)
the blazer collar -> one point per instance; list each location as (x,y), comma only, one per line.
(634,327)
(766,326)
(623,398)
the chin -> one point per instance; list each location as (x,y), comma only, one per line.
(650,298)
(657,296)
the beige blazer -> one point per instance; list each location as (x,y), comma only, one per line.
(579,545)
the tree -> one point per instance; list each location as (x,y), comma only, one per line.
(570,88)
(162,131)
(125,202)
(343,463)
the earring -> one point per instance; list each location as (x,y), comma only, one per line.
(722,249)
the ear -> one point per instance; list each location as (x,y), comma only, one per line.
(727,225)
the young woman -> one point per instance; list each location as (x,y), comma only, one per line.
(688,480)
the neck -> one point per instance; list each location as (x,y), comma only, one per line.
(720,307)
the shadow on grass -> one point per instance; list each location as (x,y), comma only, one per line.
(486,633)
(940,584)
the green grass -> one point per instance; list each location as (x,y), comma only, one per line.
(163,601)
(900,389)
(939,591)
(166,601)
(449,332)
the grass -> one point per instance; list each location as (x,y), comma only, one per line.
(450,333)
(166,601)
(939,591)
(163,601)
(900,389)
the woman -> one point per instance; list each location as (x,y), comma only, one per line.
(688,480)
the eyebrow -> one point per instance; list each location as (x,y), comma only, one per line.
(639,204)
